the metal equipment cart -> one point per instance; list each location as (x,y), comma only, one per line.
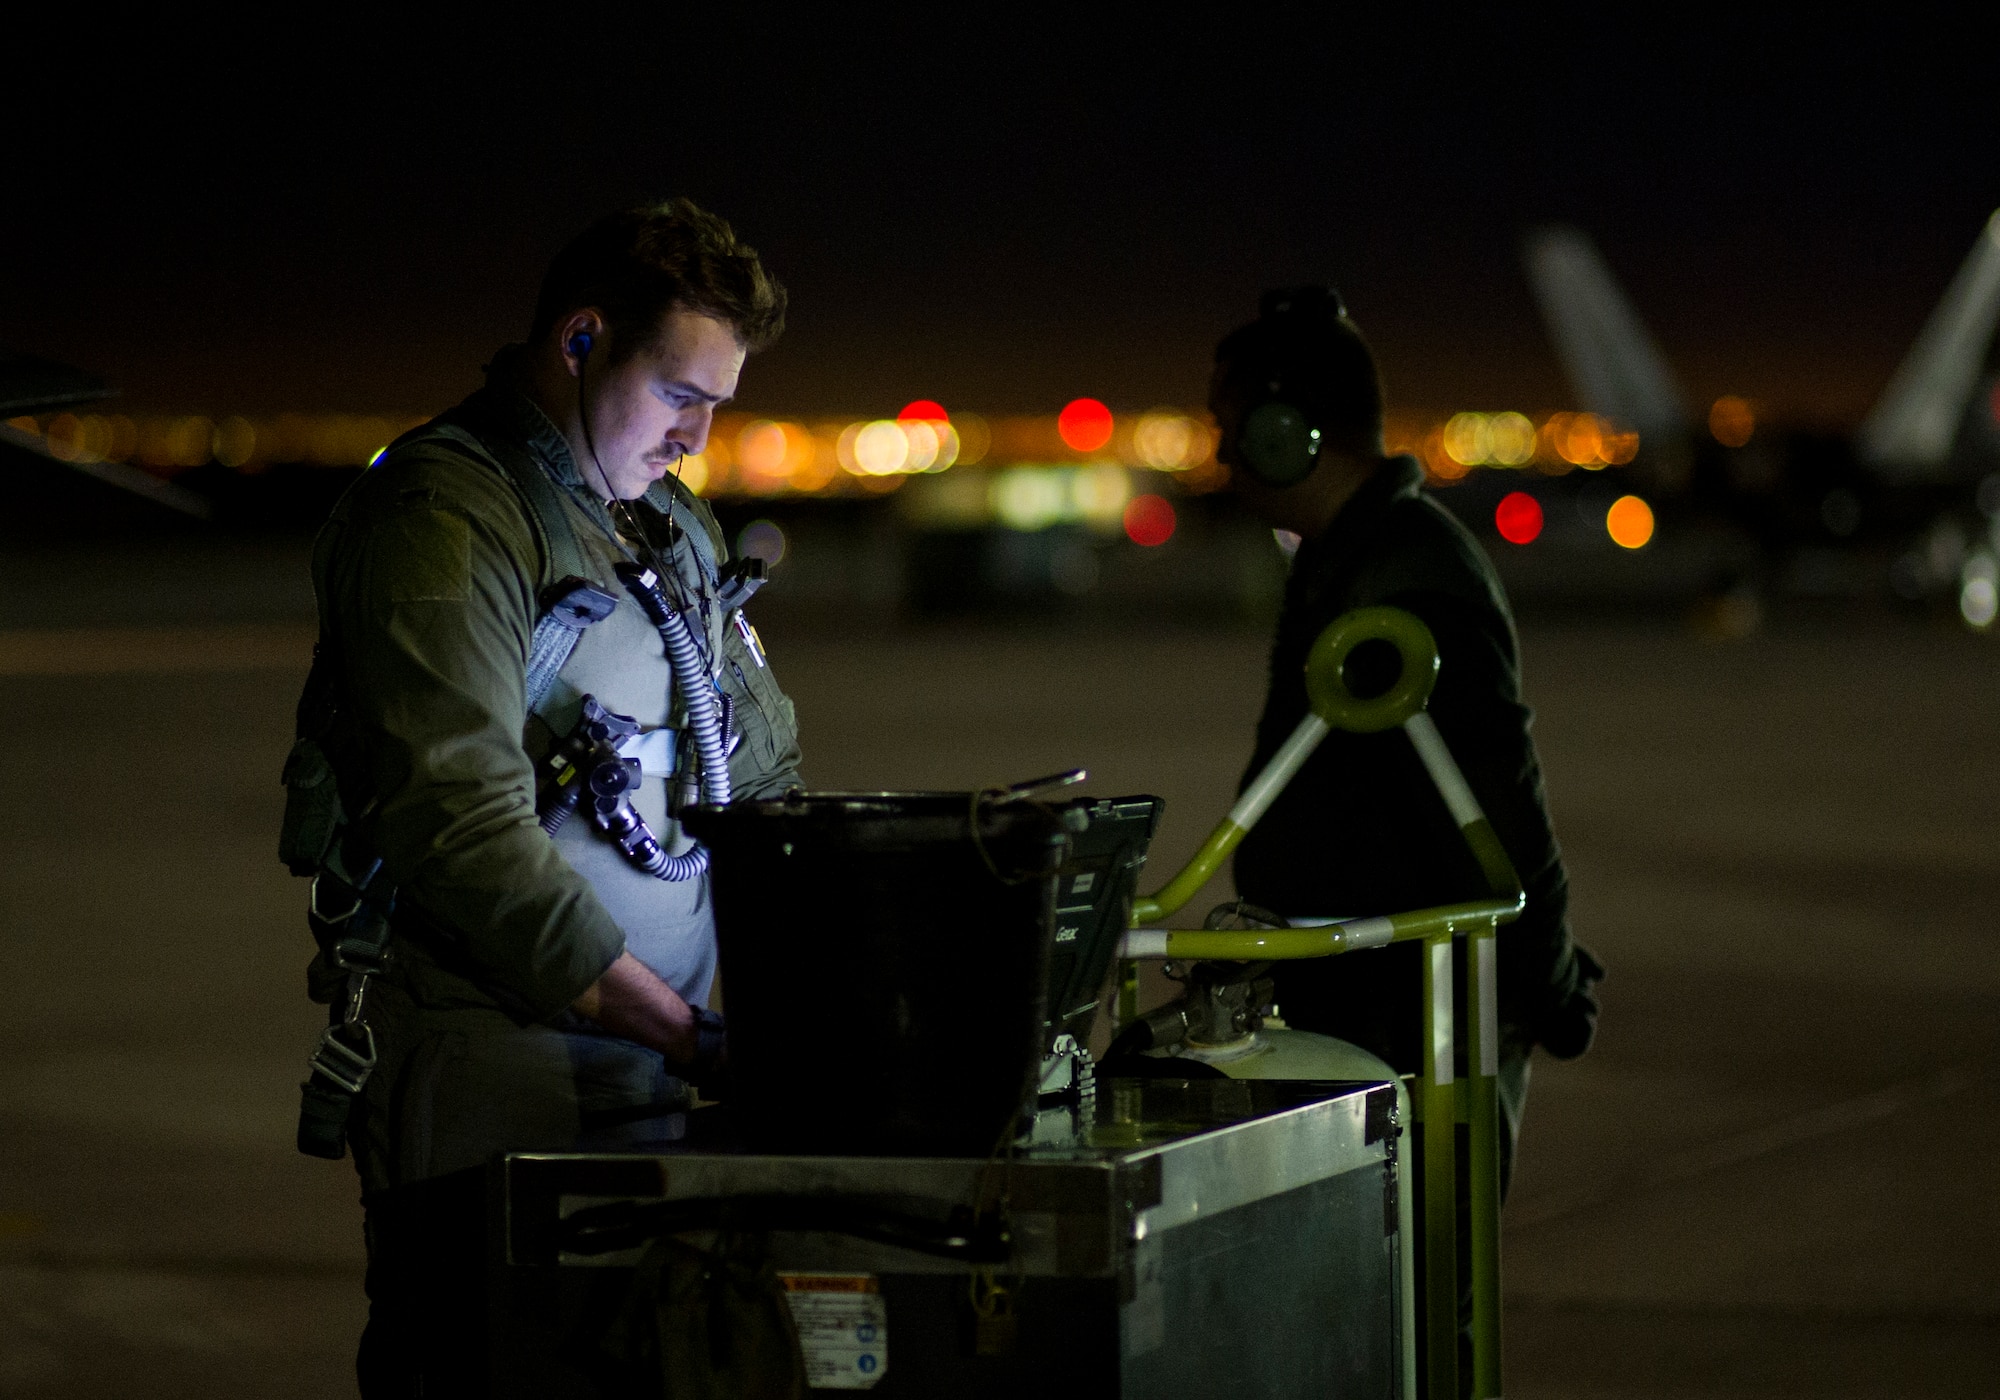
(1206,1237)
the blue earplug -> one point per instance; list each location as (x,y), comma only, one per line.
(580,343)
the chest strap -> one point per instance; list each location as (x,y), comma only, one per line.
(569,608)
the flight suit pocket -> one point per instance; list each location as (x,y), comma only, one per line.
(764,714)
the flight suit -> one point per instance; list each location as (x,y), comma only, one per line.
(431,576)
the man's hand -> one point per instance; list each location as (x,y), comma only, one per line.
(630,1000)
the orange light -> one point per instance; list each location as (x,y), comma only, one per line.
(761,449)
(1438,462)
(1085,425)
(1620,447)
(1731,422)
(1582,442)
(1629,522)
(923,411)
(1149,520)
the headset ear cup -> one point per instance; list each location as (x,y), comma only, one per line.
(1277,444)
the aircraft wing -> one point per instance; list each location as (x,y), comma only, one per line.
(31,384)
(1910,431)
(1614,367)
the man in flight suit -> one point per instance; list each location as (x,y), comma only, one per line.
(1361,830)
(541,992)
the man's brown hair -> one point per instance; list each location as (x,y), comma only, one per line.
(639,264)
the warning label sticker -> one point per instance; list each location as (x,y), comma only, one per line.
(843,1328)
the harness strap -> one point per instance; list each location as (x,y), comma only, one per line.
(350,914)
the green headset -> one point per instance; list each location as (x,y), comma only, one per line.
(1277,440)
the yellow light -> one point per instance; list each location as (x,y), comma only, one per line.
(1100,493)
(948,445)
(193,441)
(843,447)
(693,469)
(1629,522)
(235,441)
(881,448)
(1731,421)
(1513,439)
(65,437)
(1167,441)
(1030,498)
(924,443)
(1468,439)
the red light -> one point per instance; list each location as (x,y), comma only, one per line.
(1149,520)
(1086,426)
(923,411)
(1518,517)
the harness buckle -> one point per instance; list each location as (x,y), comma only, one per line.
(341,1062)
(356,891)
(312,899)
(363,956)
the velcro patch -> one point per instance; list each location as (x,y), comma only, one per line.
(424,556)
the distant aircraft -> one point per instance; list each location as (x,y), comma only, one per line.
(1912,500)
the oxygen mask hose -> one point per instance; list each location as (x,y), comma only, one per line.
(698,694)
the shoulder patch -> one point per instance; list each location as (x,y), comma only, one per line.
(422,556)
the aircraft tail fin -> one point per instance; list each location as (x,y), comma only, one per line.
(1912,427)
(1614,367)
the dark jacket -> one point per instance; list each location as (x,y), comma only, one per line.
(1362,831)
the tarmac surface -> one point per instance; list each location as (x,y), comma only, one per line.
(1775,1175)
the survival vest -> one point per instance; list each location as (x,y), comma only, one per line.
(351,902)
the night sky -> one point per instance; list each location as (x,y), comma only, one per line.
(1001,219)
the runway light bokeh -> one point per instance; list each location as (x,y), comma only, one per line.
(1979,590)
(1170,442)
(762,539)
(692,472)
(1085,425)
(1731,422)
(1629,522)
(1149,520)
(1489,439)
(923,411)
(1518,518)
